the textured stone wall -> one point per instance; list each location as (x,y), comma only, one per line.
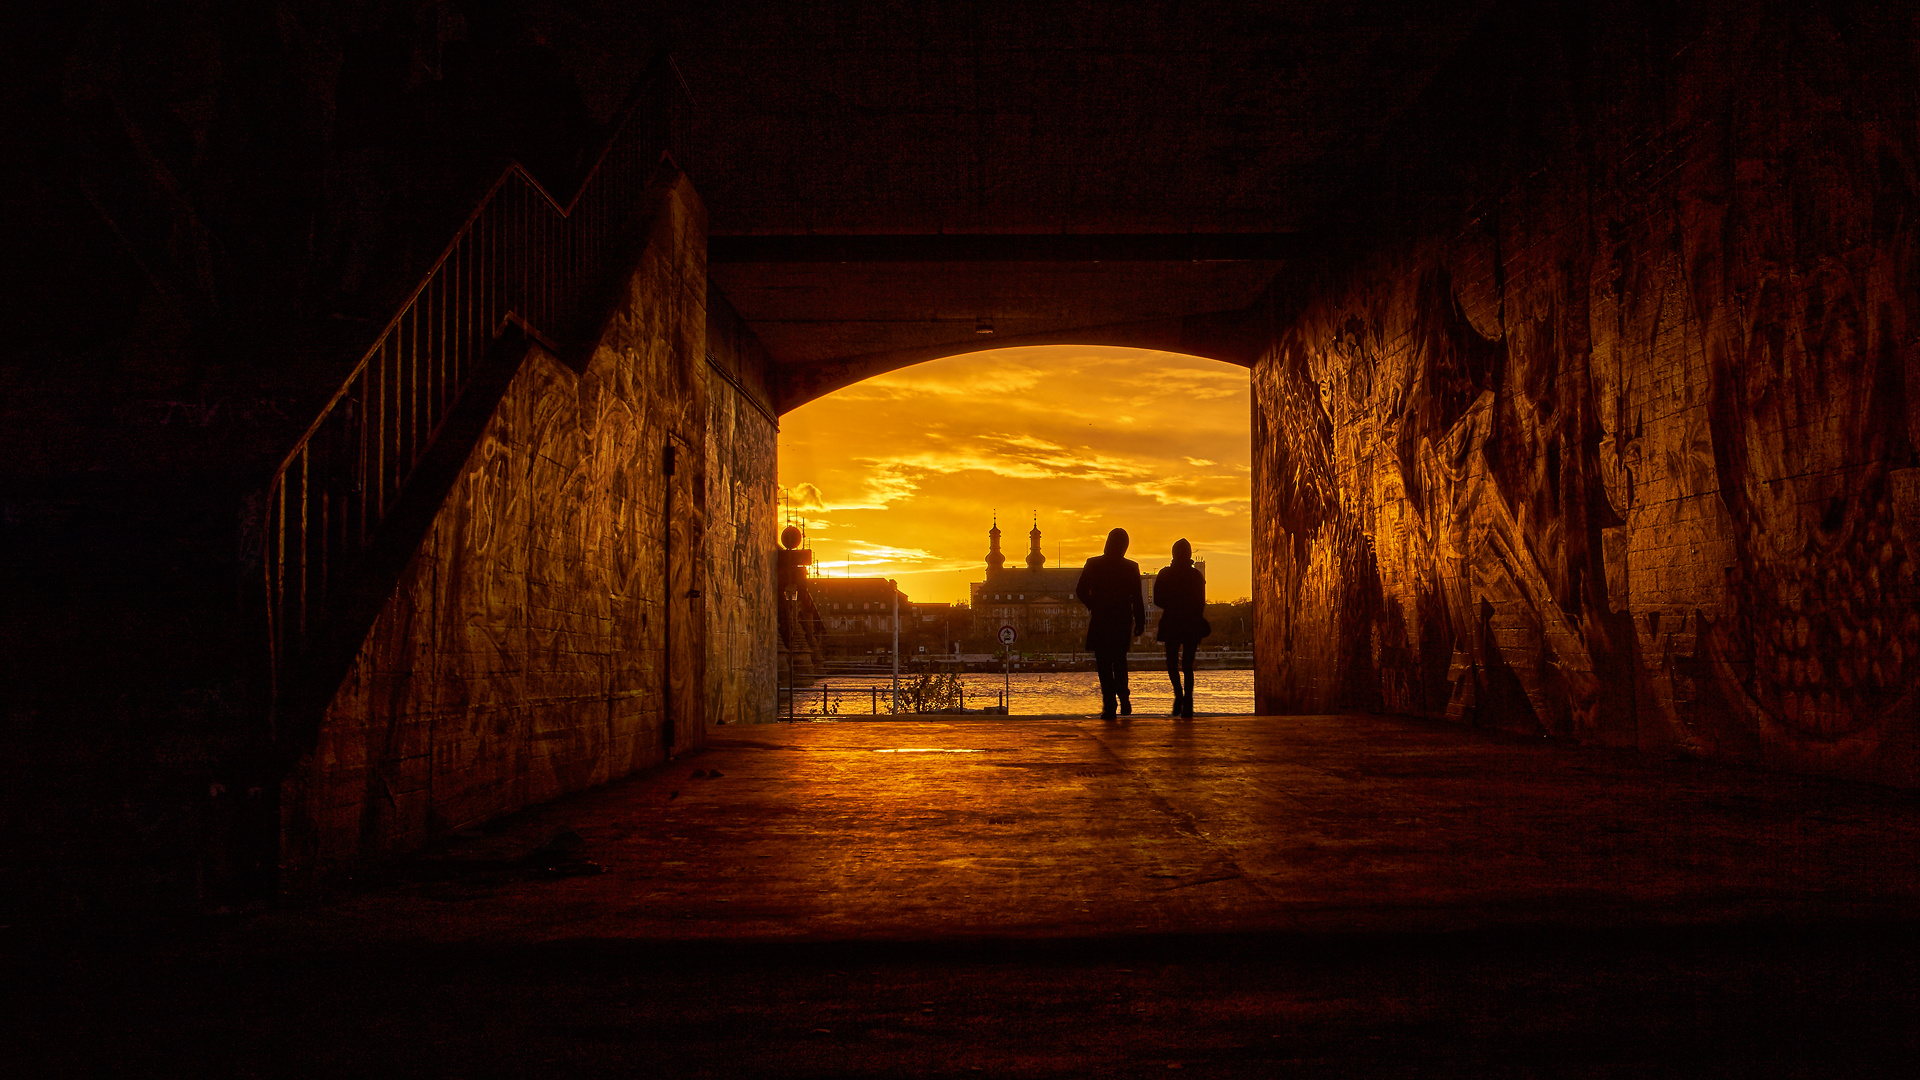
(742,520)
(1615,438)
(525,652)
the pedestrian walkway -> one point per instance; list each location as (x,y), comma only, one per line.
(1244,896)
(922,830)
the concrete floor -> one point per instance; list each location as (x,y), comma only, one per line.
(1235,896)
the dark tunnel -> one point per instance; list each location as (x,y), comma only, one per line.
(389,530)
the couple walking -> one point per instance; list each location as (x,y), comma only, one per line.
(1117,613)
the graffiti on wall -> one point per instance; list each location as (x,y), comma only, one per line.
(1635,467)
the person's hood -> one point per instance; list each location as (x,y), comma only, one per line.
(1117,542)
(1182,552)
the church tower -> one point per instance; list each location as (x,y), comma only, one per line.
(1035,560)
(995,560)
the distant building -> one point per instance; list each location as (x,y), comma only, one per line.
(937,629)
(1038,602)
(857,615)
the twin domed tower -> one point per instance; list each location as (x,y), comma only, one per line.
(997,561)
(1036,600)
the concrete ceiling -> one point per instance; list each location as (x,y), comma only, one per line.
(1077,145)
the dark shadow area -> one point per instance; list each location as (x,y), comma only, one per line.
(1758,1000)
(1064,900)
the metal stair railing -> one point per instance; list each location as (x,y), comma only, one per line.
(522,259)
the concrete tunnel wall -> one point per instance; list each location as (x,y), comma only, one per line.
(1598,424)
(742,521)
(524,654)
(1613,435)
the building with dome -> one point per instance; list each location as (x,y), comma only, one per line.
(1038,600)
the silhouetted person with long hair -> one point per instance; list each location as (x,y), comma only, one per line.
(1181,595)
(1116,614)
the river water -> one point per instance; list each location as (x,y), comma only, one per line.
(1036,693)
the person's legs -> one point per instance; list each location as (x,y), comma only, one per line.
(1120,683)
(1186,668)
(1173,675)
(1103,663)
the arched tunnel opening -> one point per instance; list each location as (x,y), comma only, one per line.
(904,483)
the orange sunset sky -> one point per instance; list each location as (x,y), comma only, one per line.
(899,476)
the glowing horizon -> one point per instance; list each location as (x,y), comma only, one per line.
(900,476)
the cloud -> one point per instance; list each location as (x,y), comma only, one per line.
(1215,392)
(942,379)
(1206,491)
(886,486)
(919,460)
(1001,454)
(888,553)
(865,559)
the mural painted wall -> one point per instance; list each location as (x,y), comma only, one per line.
(536,644)
(1619,443)
(742,522)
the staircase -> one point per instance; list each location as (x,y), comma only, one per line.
(525,268)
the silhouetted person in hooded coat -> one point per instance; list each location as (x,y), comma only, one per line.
(1116,614)
(1181,595)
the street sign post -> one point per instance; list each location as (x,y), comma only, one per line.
(1007,636)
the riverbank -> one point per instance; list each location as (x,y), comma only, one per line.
(1154,660)
(1023,693)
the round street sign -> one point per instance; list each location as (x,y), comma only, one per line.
(1006,634)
